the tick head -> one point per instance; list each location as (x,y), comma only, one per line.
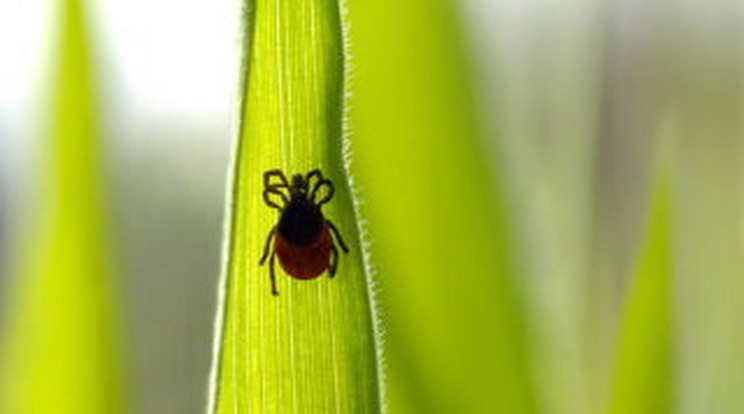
(299,185)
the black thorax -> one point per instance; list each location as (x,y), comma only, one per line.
(301,222)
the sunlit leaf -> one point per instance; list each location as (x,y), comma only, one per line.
(437,219)
(642,376)
(61,354)
(311,348)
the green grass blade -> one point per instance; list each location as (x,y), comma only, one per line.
(642,377)
(437,218)
(706,85)
(312,348)
(61,351)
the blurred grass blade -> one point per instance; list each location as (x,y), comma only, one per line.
(642,378)
(61,354)
(706,86)
(312,348)
(438,222)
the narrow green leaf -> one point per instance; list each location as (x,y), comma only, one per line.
(642,377)
(61,354)
(706,87)
(311,349)
(437,218)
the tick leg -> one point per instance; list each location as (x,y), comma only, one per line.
(266,247)
(275,173)
(321,181)
(274,189)
(334,261)
(318,186)
(338,236)
(271,274)
(314,173)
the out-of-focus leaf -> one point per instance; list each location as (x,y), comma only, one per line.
(61,351)
(706,85)
(643,377)
(310,349)
(439,230)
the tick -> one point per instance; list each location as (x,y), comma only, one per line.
(302,237)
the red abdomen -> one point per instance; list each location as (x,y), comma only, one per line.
(304,262)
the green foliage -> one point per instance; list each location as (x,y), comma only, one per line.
(642,377)
(437,219)
(458,335)
(312,348)
(61,353)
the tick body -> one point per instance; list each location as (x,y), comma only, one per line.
(303,239)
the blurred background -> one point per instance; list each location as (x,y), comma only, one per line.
(533,134)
